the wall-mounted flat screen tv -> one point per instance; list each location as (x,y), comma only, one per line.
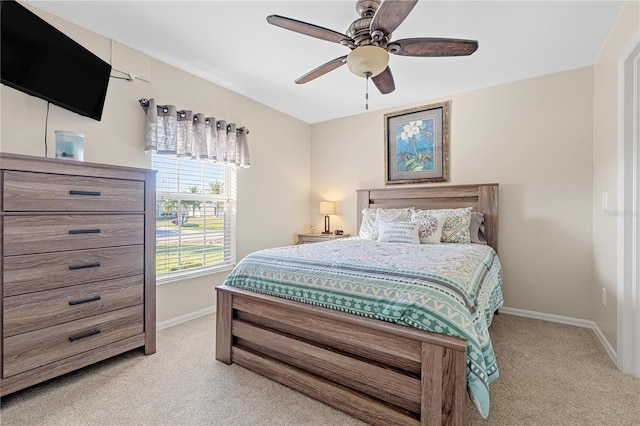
(40,60)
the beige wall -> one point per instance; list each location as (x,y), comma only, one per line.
(533,137)
(273,195)
(605,169)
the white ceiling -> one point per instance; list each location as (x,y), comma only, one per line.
(230,44)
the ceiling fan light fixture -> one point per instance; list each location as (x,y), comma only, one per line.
(367,59)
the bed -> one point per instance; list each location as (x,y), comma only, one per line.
(370,365)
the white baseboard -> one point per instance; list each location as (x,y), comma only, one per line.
(565,320)
(605,343)
(184,318)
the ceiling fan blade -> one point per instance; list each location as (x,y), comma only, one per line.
(425,46)
(307,29)
(384,81)
(322,70)
(390,15)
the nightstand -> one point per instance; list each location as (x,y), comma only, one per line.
(316,238)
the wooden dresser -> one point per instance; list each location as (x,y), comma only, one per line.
(78,266)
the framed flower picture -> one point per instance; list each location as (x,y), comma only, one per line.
(416,144)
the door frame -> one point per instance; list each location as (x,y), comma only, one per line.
(628,344)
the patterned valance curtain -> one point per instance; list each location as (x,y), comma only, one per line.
(185,134)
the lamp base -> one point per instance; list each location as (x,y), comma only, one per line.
(326,225)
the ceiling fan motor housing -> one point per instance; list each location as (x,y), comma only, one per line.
(368,57)
(359,30)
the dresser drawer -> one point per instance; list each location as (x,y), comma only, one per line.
(46,192)
(42,234)
(33,311)
(30,350)
(38,272)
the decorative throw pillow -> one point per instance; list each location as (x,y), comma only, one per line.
(476,229)
(393,215)
(456,225)
(368,227)
(398,232)
(429,226)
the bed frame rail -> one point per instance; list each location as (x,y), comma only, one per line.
(382,373)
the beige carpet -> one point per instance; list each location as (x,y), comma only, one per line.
(551,374)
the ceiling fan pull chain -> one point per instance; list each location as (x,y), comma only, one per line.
(366,95)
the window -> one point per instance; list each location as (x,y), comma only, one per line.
(195,215)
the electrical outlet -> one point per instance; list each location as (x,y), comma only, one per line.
(604,296)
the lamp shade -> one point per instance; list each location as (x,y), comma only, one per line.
(367,59)
(327,207)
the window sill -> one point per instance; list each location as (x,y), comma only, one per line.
(185,275)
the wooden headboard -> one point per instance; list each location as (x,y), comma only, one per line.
(482,197)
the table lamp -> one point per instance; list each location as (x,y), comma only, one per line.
(327,208)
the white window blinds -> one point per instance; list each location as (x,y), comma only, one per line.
(195,215)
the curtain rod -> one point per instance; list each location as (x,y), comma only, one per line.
(144,103)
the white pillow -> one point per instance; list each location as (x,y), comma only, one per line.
(368,227)
(398,232)
(430,226)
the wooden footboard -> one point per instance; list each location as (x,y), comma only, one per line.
(382,373)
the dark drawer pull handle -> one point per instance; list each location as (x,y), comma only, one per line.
(83,335)
(84,231)
(72,192)
(80,302)
(88,265)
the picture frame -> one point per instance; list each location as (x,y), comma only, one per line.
(416,144)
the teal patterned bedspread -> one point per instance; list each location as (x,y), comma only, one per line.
(451,289)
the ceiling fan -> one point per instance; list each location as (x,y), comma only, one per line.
(369,38)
